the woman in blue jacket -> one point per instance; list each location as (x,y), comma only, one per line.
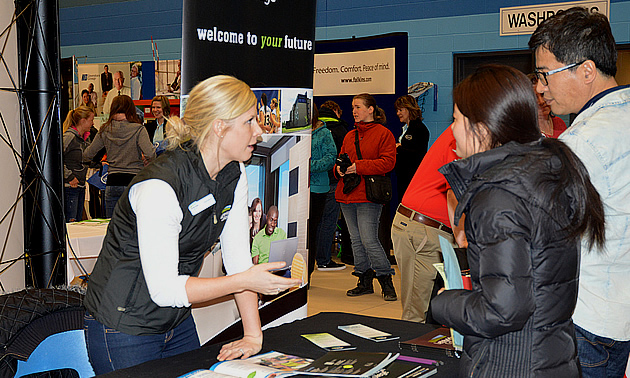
(527,201)
(323,154)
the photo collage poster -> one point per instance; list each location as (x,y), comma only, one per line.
(251,40)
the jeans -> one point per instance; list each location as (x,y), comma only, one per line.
(112,194)
(109,349)
(601,356)
(327,227)
(74,198)
(362,220)
(314,226)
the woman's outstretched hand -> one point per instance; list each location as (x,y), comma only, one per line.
(261,280)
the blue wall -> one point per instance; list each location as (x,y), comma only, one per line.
(107,31)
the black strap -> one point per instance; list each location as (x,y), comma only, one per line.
(356,144)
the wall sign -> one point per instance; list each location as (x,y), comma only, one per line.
(525,20)
(349,73)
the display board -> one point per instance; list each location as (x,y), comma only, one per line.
(252,40)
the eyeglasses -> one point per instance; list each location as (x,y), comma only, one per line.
(542,76)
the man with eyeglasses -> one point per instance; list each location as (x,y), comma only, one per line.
(576,66)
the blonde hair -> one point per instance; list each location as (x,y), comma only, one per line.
(75,115)
(219,97)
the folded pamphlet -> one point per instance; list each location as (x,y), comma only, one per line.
(366,332)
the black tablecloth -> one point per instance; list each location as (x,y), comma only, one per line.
(286,339)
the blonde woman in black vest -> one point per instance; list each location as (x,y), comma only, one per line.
(144,282)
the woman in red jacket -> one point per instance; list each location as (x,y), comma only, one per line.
(378,151)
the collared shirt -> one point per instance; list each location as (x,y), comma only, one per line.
(600,137)
(404,130)
(600,95)
(110,97)
(158,135)
(262,243)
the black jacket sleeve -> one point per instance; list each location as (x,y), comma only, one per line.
(502,298)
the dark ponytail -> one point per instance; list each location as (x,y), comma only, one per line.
(379,116)
(571,177)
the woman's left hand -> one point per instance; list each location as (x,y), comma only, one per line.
(243,348)
(351,169)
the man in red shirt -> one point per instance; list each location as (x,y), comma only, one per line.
(421,217)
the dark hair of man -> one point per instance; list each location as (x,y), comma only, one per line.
(368,100)
(575,35)
(84,91)
(411,104)
(330,104)
(502,99)
(123,104)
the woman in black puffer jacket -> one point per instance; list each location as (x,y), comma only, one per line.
(527,201)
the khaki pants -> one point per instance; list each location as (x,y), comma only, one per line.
(417,248)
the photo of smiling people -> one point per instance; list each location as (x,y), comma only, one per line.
(268,110)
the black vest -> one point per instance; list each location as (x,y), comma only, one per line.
(117,293)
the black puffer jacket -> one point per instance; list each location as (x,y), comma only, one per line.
(516,321)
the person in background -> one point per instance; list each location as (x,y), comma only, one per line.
(93,95)
(119,89)
(161,109)
(264,115)
(550,125)
(378,149)
(86,100)
(275,120)
(528,200)
(258,218)
(330,114)
(323,155)
(145,280)
(576,64)
(77,124)
(262,240)
(412,144)
(127,146)
(177,82)
(107,81)
(136,82)
(421,218)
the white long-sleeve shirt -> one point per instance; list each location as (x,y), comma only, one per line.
(159,218)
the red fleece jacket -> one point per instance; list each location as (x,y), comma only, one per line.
(378,149)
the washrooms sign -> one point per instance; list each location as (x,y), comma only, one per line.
(525,20)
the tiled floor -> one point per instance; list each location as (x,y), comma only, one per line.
(328,293)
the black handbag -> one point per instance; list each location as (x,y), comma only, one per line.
(378,189)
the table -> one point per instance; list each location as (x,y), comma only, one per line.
(286,338)
(85,239)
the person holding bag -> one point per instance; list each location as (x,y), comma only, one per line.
(368,151)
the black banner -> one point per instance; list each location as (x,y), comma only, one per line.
(266,43)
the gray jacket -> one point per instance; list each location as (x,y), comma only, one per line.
(127,145)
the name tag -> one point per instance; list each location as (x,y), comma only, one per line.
(201,204)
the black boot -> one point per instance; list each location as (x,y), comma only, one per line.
(387,287)
(364,286)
